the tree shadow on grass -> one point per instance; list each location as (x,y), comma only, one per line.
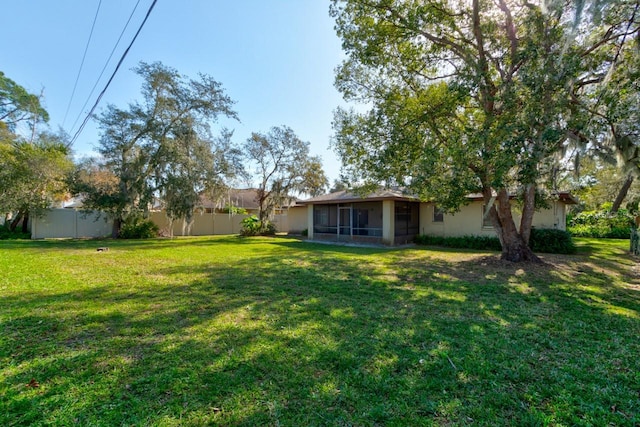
(138,244)
(322,335)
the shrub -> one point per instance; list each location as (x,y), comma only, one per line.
(542,240)
(601,224)
(588,231)
(462,242)
(551,241)
(269,229)
(234,210)
(251,226)
(138,228)
(6,234)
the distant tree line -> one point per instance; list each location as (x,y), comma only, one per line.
(33,168)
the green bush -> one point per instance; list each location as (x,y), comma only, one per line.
(551,241)
(269,230)
(601,224)
(234,210)
(542,240)
(589,231)
(251,226)
(6,234)
(620,232)
(138,228)
(462,242)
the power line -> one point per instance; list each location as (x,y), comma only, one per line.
(86,119)
(105,66)
(84,55)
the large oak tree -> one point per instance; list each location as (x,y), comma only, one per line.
(33,167)
(284,169)
(33,175)
(161,147)
(19,105)
(469,97)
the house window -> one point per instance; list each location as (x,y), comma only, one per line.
(325,219)
(486,221)
(438,214)
(321,215)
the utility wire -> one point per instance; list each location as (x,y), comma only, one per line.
(104,67)
(86,119)
(84,55)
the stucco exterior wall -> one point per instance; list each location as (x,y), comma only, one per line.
(554,217)
(468,221)
(388,223)
(297,219)
(310,233)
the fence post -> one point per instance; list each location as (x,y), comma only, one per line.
(635,242)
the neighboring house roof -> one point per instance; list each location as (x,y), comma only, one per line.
(566,197)
(398,195)
(246,198)
(243,198)
(73,203)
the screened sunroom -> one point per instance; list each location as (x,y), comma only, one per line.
(379,218)
(348,220)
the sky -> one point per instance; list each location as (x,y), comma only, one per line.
(275,58)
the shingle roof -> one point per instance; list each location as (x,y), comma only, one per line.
(566,197)
(347,196)
(246,198)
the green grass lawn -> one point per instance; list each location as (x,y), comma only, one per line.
(229,331)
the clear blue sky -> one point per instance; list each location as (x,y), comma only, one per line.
(274,57)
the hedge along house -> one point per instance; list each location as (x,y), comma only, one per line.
(390,217)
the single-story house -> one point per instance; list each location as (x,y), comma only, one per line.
(392,217)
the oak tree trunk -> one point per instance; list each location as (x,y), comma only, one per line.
(528,208)
(622,194)
(115,230)
(16,221)
(25,222)
(515,247)
(263,213)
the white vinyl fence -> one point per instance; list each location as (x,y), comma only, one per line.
(70,223)
(207,224)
